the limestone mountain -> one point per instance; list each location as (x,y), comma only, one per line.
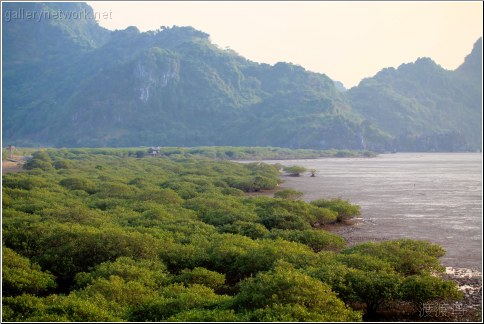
(425,107)
(73,83)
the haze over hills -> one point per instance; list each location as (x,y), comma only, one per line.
(73,83)
(423,106)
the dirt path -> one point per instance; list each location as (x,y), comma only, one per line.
(9,166)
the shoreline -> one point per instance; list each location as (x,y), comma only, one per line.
(469,280)
(434,197)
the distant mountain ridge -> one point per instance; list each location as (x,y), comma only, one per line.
(73,83)
(425,107)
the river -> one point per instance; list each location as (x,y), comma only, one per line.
(428,196)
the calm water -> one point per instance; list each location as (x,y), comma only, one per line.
(430,196)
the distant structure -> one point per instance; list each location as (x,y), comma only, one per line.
(10,149)
(154,151)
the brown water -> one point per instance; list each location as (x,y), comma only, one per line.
(430,196)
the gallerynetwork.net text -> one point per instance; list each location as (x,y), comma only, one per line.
(39,15)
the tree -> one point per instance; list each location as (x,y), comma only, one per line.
(116,294)
(249,229)
(116,240)
(285,285)
(317,240)
(206,315)
(175,299)
(406,256)
(76,183)
(40,160)
(42,156)
(54,308)
(290,194)
(219,211)
(20,276)
(344,208)
(161,196)
(150,273)
(66,249)
(372,288)
(420,289)
(63,164)
(37,164)
(201,276)
(294,171)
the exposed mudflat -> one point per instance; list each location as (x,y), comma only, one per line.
(431,196)
(428,196)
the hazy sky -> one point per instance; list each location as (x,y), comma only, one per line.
(345,40)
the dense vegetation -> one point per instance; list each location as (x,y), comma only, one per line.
(424,106)
(222,152)
(73,83)
(106,237)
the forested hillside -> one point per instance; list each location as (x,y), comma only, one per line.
(425,106)
(72,83)
(93,235)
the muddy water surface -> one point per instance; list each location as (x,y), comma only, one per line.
(430,196)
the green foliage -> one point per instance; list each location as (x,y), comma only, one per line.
(65,250)
(284,313)
(63,164)
(288,214)
(286,286)
(328,269)
(372,288)
(113,237)
(343,208)
(406,256)
(74,214)
(111,189)
(317,240)
(290,194)
(294,170)
(150,273)
(205,315)
(54,308)
(116,294)
(201,276)
(161,196)
(250,229)
(175,299)
(365,262)
(37,164)
(19,276)
(41,156)
(40,160)
(425,288)
(17,181)
(418,104)
(87,90)
(78,184)
(220,210)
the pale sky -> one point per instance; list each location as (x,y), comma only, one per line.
(347,41)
